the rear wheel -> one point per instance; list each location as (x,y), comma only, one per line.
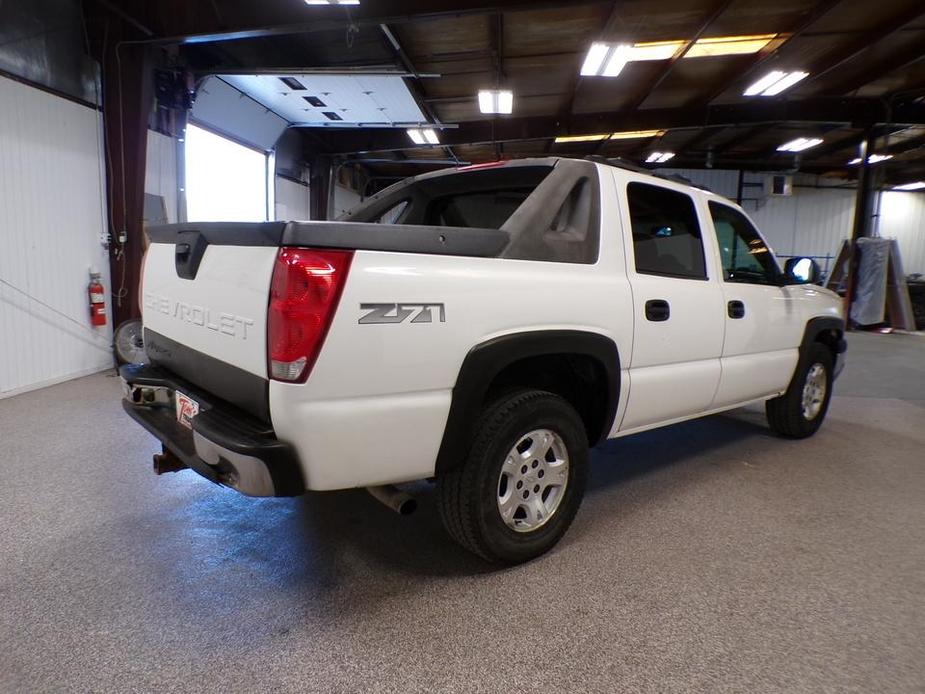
(522,481)
(800,411)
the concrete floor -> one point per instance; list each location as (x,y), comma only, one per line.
(709,556)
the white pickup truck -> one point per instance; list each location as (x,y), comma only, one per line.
(482,326)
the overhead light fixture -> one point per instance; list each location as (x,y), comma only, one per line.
(581,138)
(634,134)
(799,144)
(872,159)
(729,45)
(332,2)
(609,59)
(423,136)
(496,101)
(775,82)
(625,135)
(918,185)
(655,50)
(605,59)
(659,157)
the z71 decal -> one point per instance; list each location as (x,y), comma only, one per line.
(398,313)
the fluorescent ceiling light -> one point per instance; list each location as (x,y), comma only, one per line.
(784,84)
(609,59)
(918,185)
(625,135)
(605,59)
(496,101)
(654,50)
(775,82)
(423,136)
(769,80)
(581,138)
(799,144)
(332,2)
(872,159)
(617,61)
(594,59)
(729,45)
(633,134)
(659,157)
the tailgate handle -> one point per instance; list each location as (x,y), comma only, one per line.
(188,253)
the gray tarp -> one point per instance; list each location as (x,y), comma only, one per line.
(870,289)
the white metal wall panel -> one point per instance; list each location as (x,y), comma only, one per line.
(161,171)
(344,200)
(810,222)
(291,200)
(51,218)
(902,217)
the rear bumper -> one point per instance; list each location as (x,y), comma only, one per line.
(225,445)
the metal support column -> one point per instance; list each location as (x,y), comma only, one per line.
(320,186)
(862,214)
(127,101)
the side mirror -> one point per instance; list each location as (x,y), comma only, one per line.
(801,271)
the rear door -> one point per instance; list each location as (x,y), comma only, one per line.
(677,303)
(763,323)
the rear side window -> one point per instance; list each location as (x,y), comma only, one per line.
(666,234)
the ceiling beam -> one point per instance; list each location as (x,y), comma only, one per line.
(371,14)
(897,62)
(708,20)
(852,50)
(830,111)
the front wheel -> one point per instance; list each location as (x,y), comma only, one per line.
(522,481)
(799,412)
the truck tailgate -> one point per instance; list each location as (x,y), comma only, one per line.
(215,315)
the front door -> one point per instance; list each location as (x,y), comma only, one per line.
(678,308)
(763,325)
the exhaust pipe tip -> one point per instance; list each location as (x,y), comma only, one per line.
(394,498)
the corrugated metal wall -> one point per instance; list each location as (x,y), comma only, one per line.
(902,217)
(810,222)
(161,171)
(292,201)
(51,218)
(344,200)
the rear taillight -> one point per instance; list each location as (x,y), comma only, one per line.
(304,292)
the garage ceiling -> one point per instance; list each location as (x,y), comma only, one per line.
(866,65)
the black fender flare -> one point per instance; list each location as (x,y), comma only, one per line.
(487,359)
(818,325)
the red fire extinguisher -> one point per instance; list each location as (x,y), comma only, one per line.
(97,299)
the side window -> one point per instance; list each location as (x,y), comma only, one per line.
(745,256)
(666,234)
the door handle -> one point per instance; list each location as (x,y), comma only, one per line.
(657,310)
(735,309)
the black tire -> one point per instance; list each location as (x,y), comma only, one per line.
(786,415)
(468,494)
